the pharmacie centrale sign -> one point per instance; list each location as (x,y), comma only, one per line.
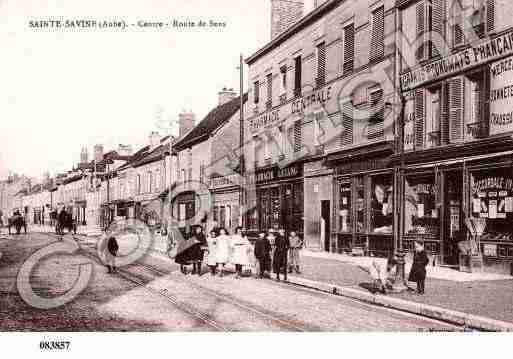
(466,59)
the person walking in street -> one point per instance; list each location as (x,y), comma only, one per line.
(240,247)
(222,250)
(296,243)
(418,268)
(198,249)
(211,254)
(281,249)
(61,221)
(263,254)
(109,250)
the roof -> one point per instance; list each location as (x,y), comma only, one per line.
(304,22)
(215,119)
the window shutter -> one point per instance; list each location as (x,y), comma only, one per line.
(419,119)
(257,91)
(456,109)
(297,76)
(375,125)
(444,115)
(438,28)
(269,90)
(297,136)
(348,49)
(377,49)
(346,137)
(485,96)
(458,37)
(490,15)
(321,64)
(421,28)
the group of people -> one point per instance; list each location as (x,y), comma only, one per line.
(273,250)
(65,221)
(17,221)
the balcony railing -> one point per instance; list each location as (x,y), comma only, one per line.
(375,130)
(434,138)
(477,130)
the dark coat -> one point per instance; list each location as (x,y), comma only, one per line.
(112,246)
(418,268)
(197,251)
(282,246)
(263,253)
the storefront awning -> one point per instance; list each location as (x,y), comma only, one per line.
(382,148)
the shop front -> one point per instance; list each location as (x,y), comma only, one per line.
(226,202)
(363,195)
(280,202)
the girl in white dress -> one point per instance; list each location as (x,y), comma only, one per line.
(222,250)
(240,249)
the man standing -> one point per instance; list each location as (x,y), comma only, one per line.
(263,253)
(280,254)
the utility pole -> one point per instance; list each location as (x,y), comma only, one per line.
(242,165)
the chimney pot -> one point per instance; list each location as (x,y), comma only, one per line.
(226,95)
(186,121)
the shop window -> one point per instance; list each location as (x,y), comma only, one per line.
(345,207)
(275,215)
(360,205)
(381,206)
(420,210)
(492,201)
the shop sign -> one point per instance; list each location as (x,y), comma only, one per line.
(496,183)
(490,250)
(320,97)
(357,166)
(461,61)
(276,173)
(501,96)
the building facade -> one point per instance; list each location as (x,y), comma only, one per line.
(321,125)
(455,72)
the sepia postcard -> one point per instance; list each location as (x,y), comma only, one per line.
(264,167)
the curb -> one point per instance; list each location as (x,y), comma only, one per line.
(451,316)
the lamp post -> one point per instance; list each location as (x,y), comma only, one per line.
(242,165)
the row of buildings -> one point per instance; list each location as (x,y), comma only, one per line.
(367,125)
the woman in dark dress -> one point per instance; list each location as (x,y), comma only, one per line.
(418,268)
(198,249)
(186,252)
(263,254)
(281,250)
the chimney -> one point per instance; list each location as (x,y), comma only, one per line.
(186,122)
(226,95)
(84,156)
(154,139)
(285,13)
(98,153)
(124,150)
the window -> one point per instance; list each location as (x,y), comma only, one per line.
(183,177)
(256,91)
(297,136)
(430,26)
(381,204)
(202,173)
(139,184)
(269,102)
(267,147)
(433,117)
(345,200)
(157,180)
(477,93)
(348,49)
(472,20)
(297,76)
(377,49)
(150,181)
(283,82)
(377,115)
(420,211)
(321,65)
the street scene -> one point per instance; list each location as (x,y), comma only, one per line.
(351,172)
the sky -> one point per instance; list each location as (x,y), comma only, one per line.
(63,89)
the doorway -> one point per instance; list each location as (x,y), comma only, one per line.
(454,224)
(325,224)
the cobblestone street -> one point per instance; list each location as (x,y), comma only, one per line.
(152,295)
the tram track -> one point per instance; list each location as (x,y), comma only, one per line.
(144,279)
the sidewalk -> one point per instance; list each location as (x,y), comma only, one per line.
(460,295)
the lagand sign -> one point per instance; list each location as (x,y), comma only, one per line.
(481,53)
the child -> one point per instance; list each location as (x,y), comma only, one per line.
(418,268)
(211,254)
(296,244)
(381,273)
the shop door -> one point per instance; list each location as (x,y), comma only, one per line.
(288,208)
(325,222)
(454,229)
